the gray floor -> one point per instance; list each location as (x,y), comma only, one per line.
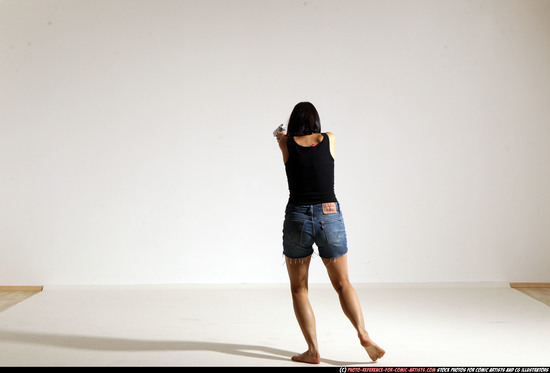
(254,325)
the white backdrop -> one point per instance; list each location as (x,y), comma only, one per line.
(136,147)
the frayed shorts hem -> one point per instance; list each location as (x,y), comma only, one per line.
(301,260)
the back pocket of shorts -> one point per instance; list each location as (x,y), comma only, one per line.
(292,232)
(334,230)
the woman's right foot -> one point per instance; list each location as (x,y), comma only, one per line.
(374,351)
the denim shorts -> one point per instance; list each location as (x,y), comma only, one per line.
(305,225)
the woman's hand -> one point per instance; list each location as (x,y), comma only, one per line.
(280,135)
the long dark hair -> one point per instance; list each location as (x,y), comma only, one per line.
(304,120)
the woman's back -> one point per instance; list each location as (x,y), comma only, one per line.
(310,169)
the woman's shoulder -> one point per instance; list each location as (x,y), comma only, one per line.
(331,135)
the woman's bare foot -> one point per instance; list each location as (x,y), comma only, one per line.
(374,351)
(308,357)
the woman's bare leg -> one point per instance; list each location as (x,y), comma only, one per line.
(338,274)
(298,274)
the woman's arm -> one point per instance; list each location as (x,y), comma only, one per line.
(332,139)
(282,139)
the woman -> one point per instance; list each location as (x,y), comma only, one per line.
(313,216)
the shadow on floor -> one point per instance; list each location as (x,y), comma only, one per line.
(123,344)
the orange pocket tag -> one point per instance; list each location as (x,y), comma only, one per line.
(329,208)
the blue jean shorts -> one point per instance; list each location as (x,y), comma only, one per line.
(306,225)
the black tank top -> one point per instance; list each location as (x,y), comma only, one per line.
(310,173)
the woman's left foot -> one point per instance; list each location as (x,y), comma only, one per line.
(308,357)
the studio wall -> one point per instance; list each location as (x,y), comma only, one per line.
(136,137)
